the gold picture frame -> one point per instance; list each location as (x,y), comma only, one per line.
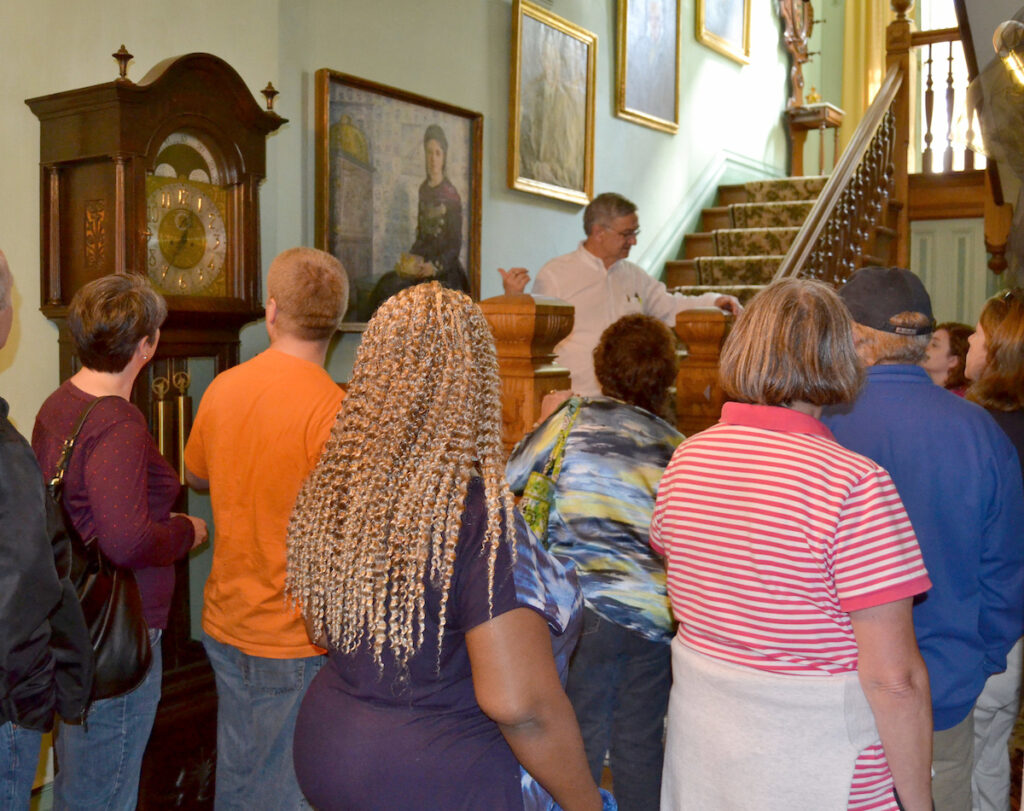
(647,63)
(724,26)
(551,105)
(375,210)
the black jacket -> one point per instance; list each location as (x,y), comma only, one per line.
(45,653)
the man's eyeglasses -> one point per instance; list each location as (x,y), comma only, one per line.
(633,233)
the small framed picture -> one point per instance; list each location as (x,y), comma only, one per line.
(647,63)
(397,190)
(724,25)
(551,106)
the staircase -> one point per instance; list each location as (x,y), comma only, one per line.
(744,238)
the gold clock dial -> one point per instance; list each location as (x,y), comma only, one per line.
(187,241)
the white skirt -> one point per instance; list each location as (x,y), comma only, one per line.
(740,738)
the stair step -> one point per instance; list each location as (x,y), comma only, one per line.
(786,189)
(699,244)
(753,241)
(712,219)
(739,242)
(679,272)
(744,292)
(733,193)
(718,270)
(769,215)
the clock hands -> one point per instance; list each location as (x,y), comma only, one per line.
(183,240)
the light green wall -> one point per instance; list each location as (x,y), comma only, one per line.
(53,45)
(453,50)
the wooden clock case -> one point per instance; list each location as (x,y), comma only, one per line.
(97,146)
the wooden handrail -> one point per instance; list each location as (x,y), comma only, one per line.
(878,115)
(921,38)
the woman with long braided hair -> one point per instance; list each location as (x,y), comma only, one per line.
(446,624)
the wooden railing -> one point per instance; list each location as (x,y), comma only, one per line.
(863,213)
(955,100)
(836,232)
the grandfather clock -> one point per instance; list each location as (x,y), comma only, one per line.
(161,178)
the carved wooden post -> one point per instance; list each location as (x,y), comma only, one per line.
(897,48)
(526,330)
(998,222)
(699,397)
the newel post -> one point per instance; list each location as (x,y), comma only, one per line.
(526,330)
(897,51)
(699,397)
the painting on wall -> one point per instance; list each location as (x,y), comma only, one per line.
(397,190)
(551,105)
(647,63)
(724,25)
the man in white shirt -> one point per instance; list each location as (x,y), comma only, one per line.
(602,285)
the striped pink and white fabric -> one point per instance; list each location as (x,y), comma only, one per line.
(772,533)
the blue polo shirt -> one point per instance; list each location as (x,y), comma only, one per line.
(959,478)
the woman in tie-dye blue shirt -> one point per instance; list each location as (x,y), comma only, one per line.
(615,453)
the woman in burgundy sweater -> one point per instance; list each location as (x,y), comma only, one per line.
(119,489)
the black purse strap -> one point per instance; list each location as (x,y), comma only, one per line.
(57,482)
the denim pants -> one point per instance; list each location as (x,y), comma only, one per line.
(98,763)
(257,703)
(19,756)
(619,684)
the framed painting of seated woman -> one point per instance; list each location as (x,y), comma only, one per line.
(397,190)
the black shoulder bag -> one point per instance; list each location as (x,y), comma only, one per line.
(109,596)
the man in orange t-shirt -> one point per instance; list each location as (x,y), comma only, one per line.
(259,431)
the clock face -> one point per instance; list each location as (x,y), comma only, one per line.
(187,241)
(185,209)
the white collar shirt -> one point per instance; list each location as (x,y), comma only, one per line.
(601,296)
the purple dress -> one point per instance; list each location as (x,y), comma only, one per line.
(417,739)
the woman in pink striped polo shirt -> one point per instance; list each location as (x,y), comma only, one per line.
(792,565)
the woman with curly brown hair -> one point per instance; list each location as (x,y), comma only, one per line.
(412,566)
(615,451)
(946,354)
(995,367)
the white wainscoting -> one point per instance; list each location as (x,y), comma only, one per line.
(950,258)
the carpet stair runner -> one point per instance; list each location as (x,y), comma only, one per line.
(744,238)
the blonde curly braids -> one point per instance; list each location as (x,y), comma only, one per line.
(381,512)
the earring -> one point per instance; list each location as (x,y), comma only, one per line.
(145,357)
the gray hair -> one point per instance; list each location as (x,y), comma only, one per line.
(604,208)
(6,282)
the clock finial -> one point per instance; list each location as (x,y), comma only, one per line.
(123,58)
(269,92)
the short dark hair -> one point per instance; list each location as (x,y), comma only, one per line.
(311,290)
(110,315)
(1001,384)
(793,342)
(635,361)
(604,208)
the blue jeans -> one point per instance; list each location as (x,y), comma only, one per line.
(619,684)
(257,703)
(98,763)
(19,756)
